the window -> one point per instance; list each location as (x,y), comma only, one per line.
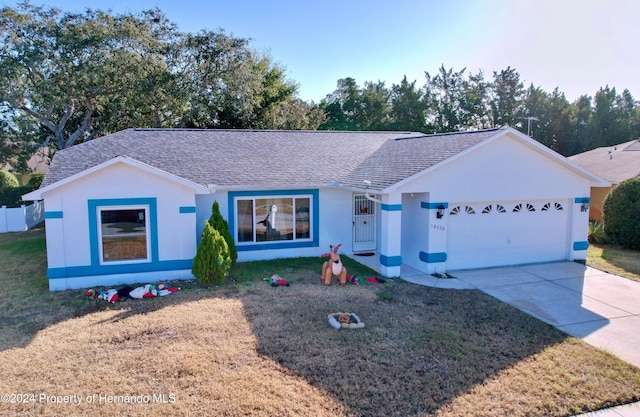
(123,233)
(273,218)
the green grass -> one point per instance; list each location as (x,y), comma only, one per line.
(614,259)
(35,246)
(292,269)
(246,348)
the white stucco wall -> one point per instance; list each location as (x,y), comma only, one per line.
(505,169)
(415,228)
(68,234)
(334,224)
(502,170)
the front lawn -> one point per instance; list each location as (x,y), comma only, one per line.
(251,349)
(614,259)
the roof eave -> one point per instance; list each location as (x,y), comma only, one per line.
(37,195)
(238,188)
(596,181)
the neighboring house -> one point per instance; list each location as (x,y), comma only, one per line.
(613,163)
(130,207)
(37,164)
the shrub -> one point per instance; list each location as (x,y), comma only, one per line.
(212,261)
(220,224)
(35,181)
(596,232)
(621,214)
(8,180)
(12,196)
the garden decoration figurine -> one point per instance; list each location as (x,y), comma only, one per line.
(333,267)
(276,281)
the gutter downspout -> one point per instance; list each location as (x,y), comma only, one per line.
(367,195)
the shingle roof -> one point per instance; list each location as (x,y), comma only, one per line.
(613,163)
(255,158)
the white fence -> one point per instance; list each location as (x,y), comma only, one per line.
(21,218)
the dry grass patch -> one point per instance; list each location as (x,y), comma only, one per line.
(194,357)
(251,349)
(614,259)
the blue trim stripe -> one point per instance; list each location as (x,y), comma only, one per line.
(276,245)
(315,219)
(390,260)
(580,200)
(433,206)
(90,270)
(52,214)
(583,245)
(391,207)
(187,209)
(431,258)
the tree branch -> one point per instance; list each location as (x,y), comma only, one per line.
(84,127)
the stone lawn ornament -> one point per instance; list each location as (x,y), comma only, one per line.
(345,321)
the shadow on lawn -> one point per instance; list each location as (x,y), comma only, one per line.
(27,306)
(626,260)
(420,348)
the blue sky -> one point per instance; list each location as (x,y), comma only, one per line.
(576,45)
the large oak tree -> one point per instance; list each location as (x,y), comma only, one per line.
(69,77)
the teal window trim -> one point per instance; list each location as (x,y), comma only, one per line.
(315,219)
(93,206)
(92,270)
(187,209)
(52,214)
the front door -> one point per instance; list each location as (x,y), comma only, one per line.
(364,224)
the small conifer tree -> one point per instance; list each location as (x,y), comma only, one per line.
(220,224)
(212,261)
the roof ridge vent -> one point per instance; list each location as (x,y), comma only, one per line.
(464,132)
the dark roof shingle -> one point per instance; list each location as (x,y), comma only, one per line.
(229,158)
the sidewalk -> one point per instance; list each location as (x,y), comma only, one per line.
(629,410)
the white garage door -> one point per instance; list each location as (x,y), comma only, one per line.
(507,233)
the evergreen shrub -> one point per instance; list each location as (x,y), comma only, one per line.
(35,180)
(220,224)
(12,196)
(622,214)
(212,261)
(8,180)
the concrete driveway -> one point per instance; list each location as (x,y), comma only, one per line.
(600,308)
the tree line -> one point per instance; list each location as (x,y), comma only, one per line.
(69,77)
(451,101)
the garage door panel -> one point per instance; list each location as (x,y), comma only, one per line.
(503,233)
